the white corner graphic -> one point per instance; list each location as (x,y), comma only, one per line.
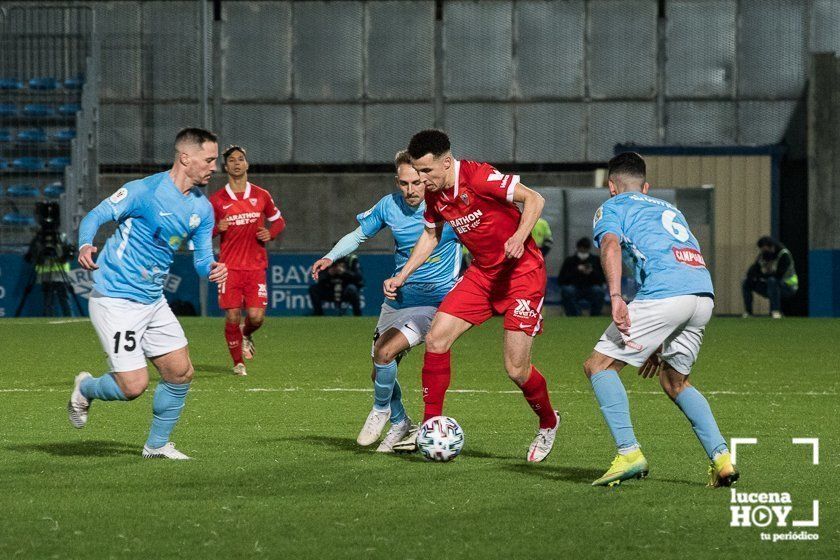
(740,441)
(815,442)
(815,517)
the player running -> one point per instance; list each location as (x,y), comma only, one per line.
(663,326)
(507,275)
(239,209)
(404,321)
(155,216)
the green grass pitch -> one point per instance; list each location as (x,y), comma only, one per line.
(277,473)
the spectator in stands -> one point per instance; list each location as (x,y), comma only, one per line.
(772,275)
(340,283)
(542,235)
(582,280)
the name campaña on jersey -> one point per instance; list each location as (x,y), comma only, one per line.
(466,223)
(243,219)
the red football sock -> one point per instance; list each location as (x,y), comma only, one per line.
(436,374)
(536,393)
(233,335)
(248,328)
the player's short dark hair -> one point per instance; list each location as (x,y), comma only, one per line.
(401,158)
(431,141)
(233,148)
(628,164)
(766,241)
(583,243)
(194,136)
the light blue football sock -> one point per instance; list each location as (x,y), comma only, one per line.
(383,384)
(696,408)
(103,388)
(397,409)
(166,409)
(615,407)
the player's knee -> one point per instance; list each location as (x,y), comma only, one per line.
(256,320)
(383,355)
(591,366)
(134,388)
(518,373)
(186,375)
(233,316)
(437,344)
(673,383)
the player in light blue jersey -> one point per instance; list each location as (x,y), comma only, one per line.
(403,322)
(155,217)
(661,330)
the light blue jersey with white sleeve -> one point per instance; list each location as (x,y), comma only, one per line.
(434,278)
(154,219)
(656,243)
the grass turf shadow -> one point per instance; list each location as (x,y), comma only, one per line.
(94,448)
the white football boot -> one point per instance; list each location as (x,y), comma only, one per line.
(248,349)
(543,443)
(408,444)
(397,432)
(168,451)
(239,370)
(372,429)
(78,405)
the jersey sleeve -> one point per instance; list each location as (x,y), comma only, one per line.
(272,213)
(202,243)
(488,181)
(607,219)
(373,221)
(431,217)
(121,205)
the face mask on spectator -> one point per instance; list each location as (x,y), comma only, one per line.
(582,256)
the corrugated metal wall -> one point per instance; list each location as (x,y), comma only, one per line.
(742,212)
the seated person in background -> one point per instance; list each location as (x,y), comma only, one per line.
(772,275)
(542,235)
(340,283)
(582,279)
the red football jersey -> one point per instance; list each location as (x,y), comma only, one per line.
(240,248)
(480,209)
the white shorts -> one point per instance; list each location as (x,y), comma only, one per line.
(676,324)
(412,322)
(130,331)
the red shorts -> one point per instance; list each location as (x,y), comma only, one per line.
(476,297)
(246,288)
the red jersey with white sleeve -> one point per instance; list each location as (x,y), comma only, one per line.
(245,213)
(480,209)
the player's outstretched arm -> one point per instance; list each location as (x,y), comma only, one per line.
(425,246)
(533,203)
(87,231)
(611,263)
(344,247)
(203,258)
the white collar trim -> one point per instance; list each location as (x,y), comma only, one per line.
(233,195)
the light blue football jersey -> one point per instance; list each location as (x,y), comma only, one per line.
(154,219)
(433,280)
(656,243)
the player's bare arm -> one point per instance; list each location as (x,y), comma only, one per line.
(426,244)
(533,203)
(611,263)
(86,257)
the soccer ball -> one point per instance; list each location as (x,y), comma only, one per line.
(440,438)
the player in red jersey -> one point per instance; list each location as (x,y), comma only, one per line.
(507,275)
(240,209)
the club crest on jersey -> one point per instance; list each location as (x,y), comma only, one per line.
(195,220)
(689,256)
(465,198)
(119,195)
(523,309)
(262,291)
(599,213)
(253,201)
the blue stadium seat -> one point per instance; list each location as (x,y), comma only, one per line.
(45,83)
(29,163)
(8,110)
(3,164)
(69,109)
(10,83)
(58,162)
(38,110)
(64,135)
(17,219)
(23,191)
(54,190)
(74,83)
(32,135)
(5,135)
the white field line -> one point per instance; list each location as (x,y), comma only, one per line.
(457,391)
